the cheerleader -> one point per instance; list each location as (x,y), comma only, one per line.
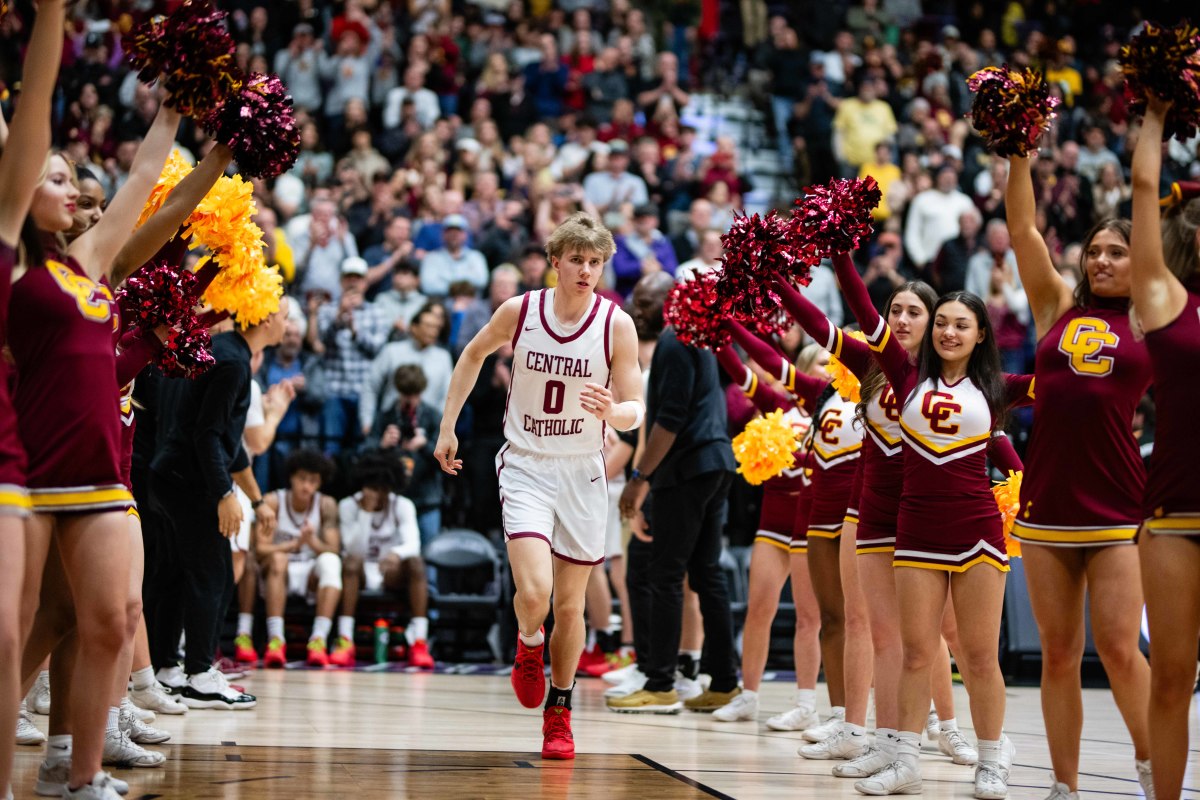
(1081,494)
(21,165)
(777,552)
(949,534)
(1165,258)
(63,322)
(845,634)
(871,521)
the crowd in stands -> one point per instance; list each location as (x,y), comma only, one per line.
(443,141)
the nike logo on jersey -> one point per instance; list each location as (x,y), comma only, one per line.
(596,478)
(531,328)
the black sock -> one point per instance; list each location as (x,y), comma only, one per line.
(688,666)
(559,697)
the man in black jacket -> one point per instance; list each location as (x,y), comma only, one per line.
(199,459)
(687,464)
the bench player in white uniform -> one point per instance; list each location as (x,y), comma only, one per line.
(569,345)
(381,546)
(301,555)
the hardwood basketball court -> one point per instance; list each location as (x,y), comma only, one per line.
(385,734)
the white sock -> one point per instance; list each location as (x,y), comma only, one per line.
(590,644)
(533,639)
(885,740)
(245,624)
(321,628)
(275,628)
(806,698)
(749,694)
(948,724)
(850,729)
(143,678)
(418,630)
(110,727)
(839,712)
(908,750)
(44,676)
(989,750)
(695,654)
(346,627)
(58,746)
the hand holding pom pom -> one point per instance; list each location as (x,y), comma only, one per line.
(758,251)
(162,294)
(191,51)
(1011,110)
(258,124)
(695,310)
(1008,500)
(844,381)
(1165,63)
(836,217)
(765,448)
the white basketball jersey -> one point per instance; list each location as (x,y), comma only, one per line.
(552,365)
(288,523)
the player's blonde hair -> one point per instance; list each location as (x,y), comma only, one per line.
(581,233)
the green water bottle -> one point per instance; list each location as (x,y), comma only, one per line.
(381,641)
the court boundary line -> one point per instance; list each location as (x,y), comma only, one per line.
(670,773)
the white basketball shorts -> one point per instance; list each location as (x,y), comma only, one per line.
(560,499)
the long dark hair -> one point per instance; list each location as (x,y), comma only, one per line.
(875,380)
(984,368)
(1121,227)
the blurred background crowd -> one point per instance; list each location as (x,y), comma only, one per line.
(443,140)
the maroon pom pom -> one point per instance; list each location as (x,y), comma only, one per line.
(187,352)
(160,294)
(191,51)
(1011,109)
(758,251)
(1165,62)
(695,310)
(258,124)
(836,217)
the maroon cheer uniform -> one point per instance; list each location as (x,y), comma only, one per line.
(14,499)
(67,398)
(1172,500)
(1084,477)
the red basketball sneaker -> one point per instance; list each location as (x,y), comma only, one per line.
(590,659)
(529,674)
(557,741)
(244,652)
(317,655)
(276,655)
(418,655)
(344,654)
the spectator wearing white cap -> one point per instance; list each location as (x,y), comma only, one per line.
(347,334)
(453,262)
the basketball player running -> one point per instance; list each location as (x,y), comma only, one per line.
(569,345)
(1165,271)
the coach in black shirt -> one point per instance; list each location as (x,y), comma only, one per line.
(688,465)
(200,456)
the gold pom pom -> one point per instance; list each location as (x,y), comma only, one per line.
(223,224)
(1008,500)
(845,381)
(175,170)
(765,448)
